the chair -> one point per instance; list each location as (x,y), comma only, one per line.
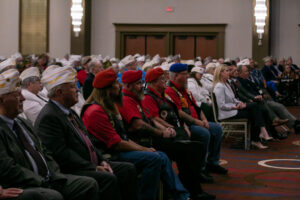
(232,126)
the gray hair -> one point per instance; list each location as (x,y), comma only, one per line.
(93,64)
(52,91)
(28,80)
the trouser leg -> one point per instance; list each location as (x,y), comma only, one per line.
(127,179)
(149,164)
(215,147)
(107,183)
(170,179)
(39,194)
(282,112)
(77,188)
(188,157)
(202,135)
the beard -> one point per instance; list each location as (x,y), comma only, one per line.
(140,94)
(117,98)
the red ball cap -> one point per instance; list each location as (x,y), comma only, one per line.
(131,76)
(153,74)
(104,78)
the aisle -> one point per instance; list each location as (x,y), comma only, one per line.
(248,180)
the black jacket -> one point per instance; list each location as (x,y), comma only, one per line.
(61,138)
(15,167)
(88,86)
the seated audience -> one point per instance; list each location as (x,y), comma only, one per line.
(95,66)
(31,86)
(208,77)
(200,94)
(278,113)
(295,68)
(231,108)
(63,132)
(270,75)
(180,148)
(102,119)
(24,161)
(146,131)
(209,133)
(83,73)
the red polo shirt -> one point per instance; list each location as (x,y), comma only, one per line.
(131,107)
(174,96)
(151,104)
(97,123)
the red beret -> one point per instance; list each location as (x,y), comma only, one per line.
(153,74)
(104,78)
(131,76)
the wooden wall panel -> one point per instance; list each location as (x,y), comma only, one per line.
(134,44)
(206,46)
(156,45)
(185,46)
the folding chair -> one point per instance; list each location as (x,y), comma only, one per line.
(232,126)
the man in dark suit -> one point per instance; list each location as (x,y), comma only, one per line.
(277,112)
(63,132)
(95,66)
(24,162)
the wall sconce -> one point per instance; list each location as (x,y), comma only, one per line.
(76,14)
(260,13)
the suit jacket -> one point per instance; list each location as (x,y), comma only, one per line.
(268,74)
(88,86)
(15,167)
(246,90)
(61,138)
(225,100)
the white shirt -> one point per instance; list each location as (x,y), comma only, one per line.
(32,105)
(200,94)
(207,81)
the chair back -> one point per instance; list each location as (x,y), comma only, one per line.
(215,107)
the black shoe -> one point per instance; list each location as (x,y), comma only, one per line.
(216,169)
(205,178)
(204,196)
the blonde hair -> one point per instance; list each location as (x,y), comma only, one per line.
(217,74)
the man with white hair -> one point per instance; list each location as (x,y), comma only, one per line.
(64,133)
(31,86)
(24,160)
(95,66)
(208,77)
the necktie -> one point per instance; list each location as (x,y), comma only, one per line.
(41,98)
(233,88)
(85,138)
(41,165)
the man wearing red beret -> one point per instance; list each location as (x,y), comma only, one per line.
(189,156)
(102,119)
(142,128)
(210,133)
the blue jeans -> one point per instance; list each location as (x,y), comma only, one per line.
(153,166)
(211,139)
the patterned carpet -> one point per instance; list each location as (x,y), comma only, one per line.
(248,180)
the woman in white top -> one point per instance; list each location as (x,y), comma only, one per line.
(230,107)
(200,94)
(208,77)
